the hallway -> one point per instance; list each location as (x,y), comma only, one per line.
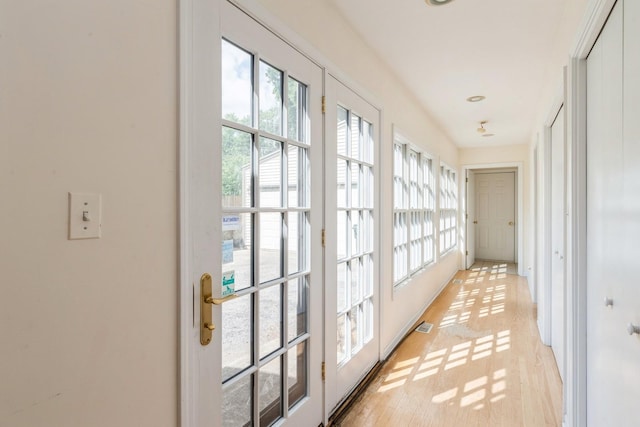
(481,364)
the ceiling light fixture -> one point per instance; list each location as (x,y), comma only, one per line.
(437,2)
(476,98)
(481,129)
(488,134)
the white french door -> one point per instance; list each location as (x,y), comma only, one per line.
(254,173)
(351,260)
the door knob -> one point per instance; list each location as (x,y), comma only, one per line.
(608,302)
(633,329)
(511,223)
(475,222)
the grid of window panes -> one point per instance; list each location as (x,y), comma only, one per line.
(413,194)
(266,244)
(355,232)
(448,209)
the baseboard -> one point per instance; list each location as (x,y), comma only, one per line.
(409,326)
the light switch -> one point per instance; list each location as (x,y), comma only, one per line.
(85,216)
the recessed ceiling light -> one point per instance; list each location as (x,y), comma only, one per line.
(437,2)
(488,134)
(481,129)
(476,98)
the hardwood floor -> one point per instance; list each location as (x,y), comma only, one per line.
(482,364)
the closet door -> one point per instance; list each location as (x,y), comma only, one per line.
(613,207)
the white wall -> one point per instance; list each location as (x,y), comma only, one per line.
(88,328)
(322,28)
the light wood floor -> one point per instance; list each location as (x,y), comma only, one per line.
(482,364)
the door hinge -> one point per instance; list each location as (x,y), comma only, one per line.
(466,216)
(323,371)
(323,237)
(324,104)
(466,179)
(467,253)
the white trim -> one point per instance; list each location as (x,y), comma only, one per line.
(593,22)
(463,221)
(186,402)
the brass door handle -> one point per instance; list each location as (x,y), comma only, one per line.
(511,223)
(475,222)
(206,310)
(218,301)
(206,315)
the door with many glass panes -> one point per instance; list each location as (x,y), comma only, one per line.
(268,341)
(351,261)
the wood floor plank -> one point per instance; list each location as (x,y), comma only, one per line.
(482,364)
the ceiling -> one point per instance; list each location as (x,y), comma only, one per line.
(510,51)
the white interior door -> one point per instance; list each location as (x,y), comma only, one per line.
(255,174)
(558,262)
(613,231)
(495,214)
(351,269)
(470,218)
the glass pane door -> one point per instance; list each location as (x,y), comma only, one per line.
(268,239)
(350,253)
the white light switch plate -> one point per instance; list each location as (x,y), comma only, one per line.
(85,216)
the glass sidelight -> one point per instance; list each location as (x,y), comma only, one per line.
(266,239)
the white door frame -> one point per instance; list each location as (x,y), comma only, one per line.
(576,127)
(520,189)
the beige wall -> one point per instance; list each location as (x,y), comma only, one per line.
(88,328)
(361,68)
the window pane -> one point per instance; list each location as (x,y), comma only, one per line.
(298,225)
(343,234)
(237,245)
(355,137)
(236,168)
(356,284)
(342,338)
(297,373)
(297,307)
(367,141)
(355,233)
(298,178)
(342,131)
(342,183)
(270,389)
(270,173)
(270,320)
(237,84)
(270,99)
(397,176)
(296,113)
(237,403)
(367,187)
(270,246)
(237,350)
(355,185)
(342,280)
(355,317)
